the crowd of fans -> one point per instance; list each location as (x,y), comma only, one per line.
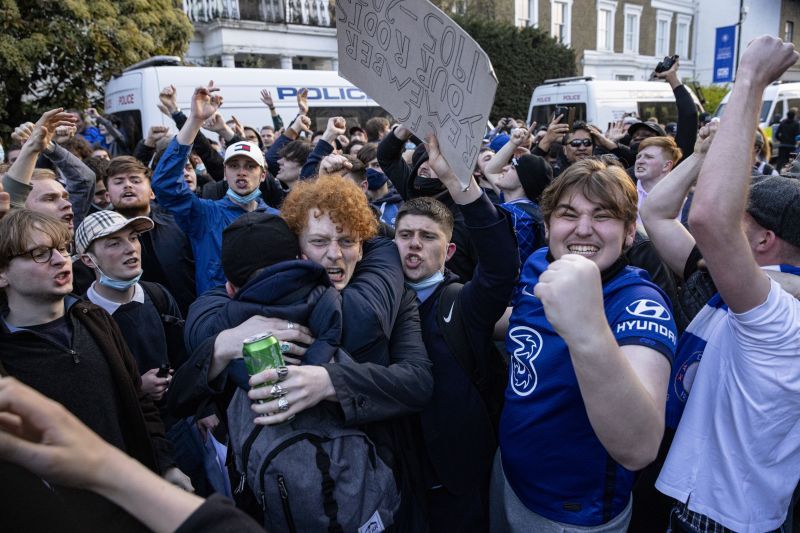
(526,349)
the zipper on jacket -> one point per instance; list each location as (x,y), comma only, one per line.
(248,444)
(287,510)
(75,358)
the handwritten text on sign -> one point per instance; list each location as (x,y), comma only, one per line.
(421,67)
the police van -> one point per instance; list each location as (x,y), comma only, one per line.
(778,99)
(133,95)
(601,102)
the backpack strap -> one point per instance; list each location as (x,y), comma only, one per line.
(159,297)
(451,325)
(330,506)
(530,209)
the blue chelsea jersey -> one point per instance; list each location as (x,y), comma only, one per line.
(551,456)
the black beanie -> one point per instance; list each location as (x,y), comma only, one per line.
(255,241)
(534,173)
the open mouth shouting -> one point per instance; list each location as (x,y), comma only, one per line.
(63,277)
(68,220)
(412,261)
(335,274)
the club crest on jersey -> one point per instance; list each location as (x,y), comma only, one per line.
(528,346)
(684,377)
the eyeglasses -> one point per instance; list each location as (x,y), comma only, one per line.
(43,254)
(575,143)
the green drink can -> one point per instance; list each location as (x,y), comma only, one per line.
(262,352)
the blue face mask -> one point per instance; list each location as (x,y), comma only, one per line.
(116,284)
(430,281)
(244,200)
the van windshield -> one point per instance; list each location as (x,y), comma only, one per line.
(764,116)
(131,125)
(543,114)
(355,116)
(665,112)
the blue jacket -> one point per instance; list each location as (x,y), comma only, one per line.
(202,220)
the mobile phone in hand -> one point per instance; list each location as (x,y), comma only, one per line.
(163,371)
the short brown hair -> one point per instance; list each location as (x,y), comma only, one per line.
(667,145)
(608,185)
(125,164)
(374,127)
(296,151)
(367,153)
(358,172)
(428,207)
(16,228)
(335,195)
(42,174)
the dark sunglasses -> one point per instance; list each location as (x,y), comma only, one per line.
(575,143)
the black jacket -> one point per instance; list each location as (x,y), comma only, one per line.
(173,254)
(458,431)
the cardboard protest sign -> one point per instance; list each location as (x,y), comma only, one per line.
(419,65)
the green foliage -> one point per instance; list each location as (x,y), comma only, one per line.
(60,54)
(522,59)
(713,95)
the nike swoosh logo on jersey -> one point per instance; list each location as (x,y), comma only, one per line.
(449,315)
(526,293)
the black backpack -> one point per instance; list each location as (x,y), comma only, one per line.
(173,325)
(487,372)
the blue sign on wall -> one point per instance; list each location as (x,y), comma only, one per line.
(724,50)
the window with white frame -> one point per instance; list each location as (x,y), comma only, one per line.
(683,24)
(533,13)
(633,14)
(606,11)
(663,23)
(561,16)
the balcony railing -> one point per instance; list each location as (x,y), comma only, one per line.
(304,12)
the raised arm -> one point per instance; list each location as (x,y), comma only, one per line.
(663,205)
(687,112)
(494,168)
(36,137)
(721,194)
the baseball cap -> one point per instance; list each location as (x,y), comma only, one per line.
(652,126)
(355,129)
(534,173)
(254,241)
(774,203)
(375,179)
(246,149)
(499,141)
(104,223)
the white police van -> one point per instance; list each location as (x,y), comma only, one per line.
(133,95)
(601,102)
(779,97)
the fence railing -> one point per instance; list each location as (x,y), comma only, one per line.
(304,12)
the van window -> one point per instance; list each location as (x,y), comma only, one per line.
(543,114)
(355,116)
(777,115)
(131,126)
(664,111)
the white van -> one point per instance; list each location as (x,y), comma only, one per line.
(779,97)
(133,95)
(601,102)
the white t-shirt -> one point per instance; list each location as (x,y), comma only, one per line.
(736,454)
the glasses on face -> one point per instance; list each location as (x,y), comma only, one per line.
(43,254)
(575,143)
